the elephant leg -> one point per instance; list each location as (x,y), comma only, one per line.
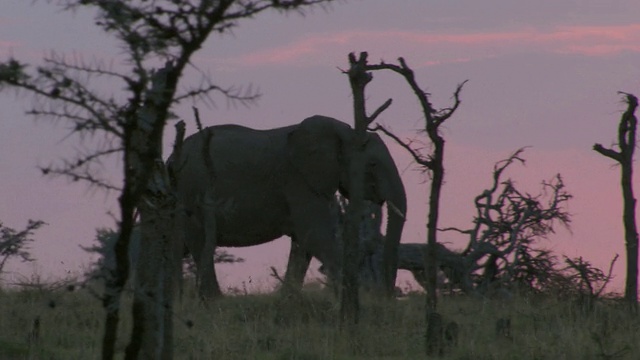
(179,250)
(314,232)
(299,261)
(208,286)
(206,278)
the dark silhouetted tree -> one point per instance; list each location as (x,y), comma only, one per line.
(502,247)
(434,163)
(349,305)
(627,145)
(15,244)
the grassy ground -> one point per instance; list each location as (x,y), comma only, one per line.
(271,327)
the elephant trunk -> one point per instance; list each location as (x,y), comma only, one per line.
(396,214)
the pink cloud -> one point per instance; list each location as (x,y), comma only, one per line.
(448,47)
(296,50)
(601,49)
(8,44)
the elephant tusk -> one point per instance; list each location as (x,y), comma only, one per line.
(395,209)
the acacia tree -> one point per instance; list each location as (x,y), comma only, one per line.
(15,244)
(627,144)
(150,33)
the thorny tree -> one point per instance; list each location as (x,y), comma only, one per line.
(15,244)
(627,144)
(149,33)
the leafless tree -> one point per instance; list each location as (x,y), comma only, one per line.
(627,145)
(585,280)
(504,250)
(508,222)
(433,162)
(349,306)
(150,33)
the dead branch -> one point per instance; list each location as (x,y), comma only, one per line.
(378,111)
(196,115)
(417,157)
(608,277)
(275,275)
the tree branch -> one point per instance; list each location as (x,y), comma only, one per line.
(417,157)
(615,155)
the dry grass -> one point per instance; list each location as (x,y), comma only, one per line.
(305,327)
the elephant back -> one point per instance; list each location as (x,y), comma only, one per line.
(238,156)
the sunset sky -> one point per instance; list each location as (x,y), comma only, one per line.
(543,74)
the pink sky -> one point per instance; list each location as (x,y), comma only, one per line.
(543,74)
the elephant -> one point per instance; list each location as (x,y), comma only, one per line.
(241,187)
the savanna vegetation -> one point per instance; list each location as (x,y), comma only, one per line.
(66,323)
(504,296)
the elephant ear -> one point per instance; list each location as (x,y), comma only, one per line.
(315,151)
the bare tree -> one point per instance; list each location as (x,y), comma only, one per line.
(507,225)
(503,244)
(15,244)
(627,144)
(587,281)
(360,75)
(433,162)
(150,33)
(349,306)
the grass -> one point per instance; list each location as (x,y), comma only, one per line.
(268,326)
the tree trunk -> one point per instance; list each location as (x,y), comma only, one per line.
(152,307)
(431,261)
(152,334)
(117,278)
(627,143)
(631,233)
(349,306)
